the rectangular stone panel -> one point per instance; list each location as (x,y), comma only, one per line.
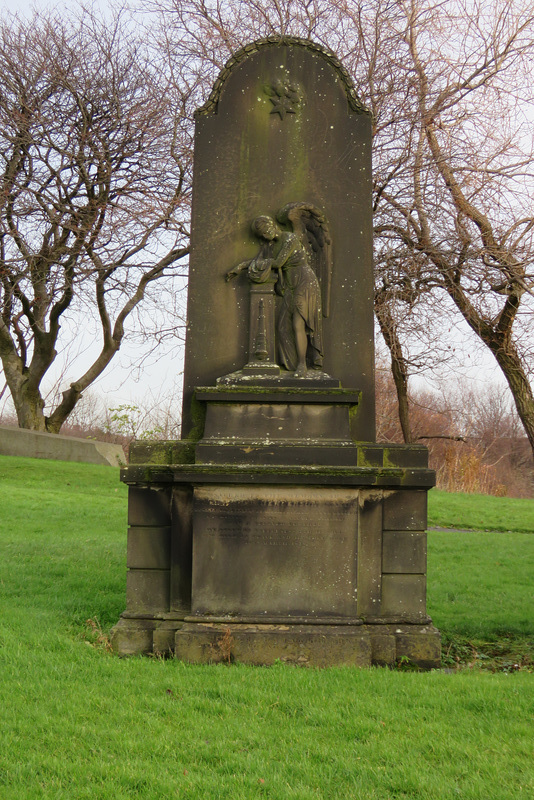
(156,452)
(149,506)
(303,645)
(370,552)
(404,551)
(411,455)
(404,596)
(284,552)
(149,548)
(422,646)
(181,548)
(277,421)
(147,591)
(405,511)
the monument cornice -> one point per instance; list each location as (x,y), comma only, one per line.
(354,102)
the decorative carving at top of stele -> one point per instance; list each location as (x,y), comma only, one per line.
(355,104)
(285,96)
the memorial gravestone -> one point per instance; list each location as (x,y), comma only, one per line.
(277,528)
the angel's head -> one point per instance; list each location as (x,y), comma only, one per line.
(265,228)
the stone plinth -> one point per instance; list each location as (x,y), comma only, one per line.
(316,565)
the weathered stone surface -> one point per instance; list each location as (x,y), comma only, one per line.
(285,552)
(150,452)
(308,645)
(163,637)
(131,637)
(296,416)
(147,591)
(276,426)
(181,549)
(383,647)
(404,551)
(404,596)
(405,511)
(370,553)
(150,505)
(422,647)
(304,645)
(308,474)
(250,161)
(392,455)
(149,548)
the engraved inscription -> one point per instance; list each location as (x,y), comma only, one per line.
(288,551)
(306,529)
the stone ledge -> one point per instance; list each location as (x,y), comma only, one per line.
(147,474)
(307,645)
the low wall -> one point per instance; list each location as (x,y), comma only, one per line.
(30,444)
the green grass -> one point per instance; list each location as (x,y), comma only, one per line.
(480,512)
(79,723)
(480,584)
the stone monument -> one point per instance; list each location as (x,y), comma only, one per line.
(277,528)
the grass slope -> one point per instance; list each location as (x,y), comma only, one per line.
(480,512)
(79,723)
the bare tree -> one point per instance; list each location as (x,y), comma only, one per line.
(454,203)
(94,164)
(449,86)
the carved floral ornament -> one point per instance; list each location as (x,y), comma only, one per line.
(285,96)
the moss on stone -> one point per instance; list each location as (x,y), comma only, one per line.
(183,452)
(150,452)
(198,417)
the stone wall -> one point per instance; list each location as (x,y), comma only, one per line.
(30,444)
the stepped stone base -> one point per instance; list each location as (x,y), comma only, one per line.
(277,537)
(263,644)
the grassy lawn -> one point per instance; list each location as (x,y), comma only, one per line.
(480,512)
(79,723)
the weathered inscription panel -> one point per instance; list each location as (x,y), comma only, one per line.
(289,551)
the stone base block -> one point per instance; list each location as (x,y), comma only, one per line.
(133,637)
(142,636)
(163,641)
(263,644)
(308,645)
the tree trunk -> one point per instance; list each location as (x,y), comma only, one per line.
(498,338)
(398,364)
(510,363)
(28,404)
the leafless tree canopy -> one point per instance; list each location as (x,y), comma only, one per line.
(94,185)
(449,86)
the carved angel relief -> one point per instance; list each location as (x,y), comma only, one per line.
(299,263)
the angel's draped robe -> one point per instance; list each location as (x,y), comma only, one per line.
(299,288)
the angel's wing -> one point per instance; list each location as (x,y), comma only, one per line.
(311,225)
